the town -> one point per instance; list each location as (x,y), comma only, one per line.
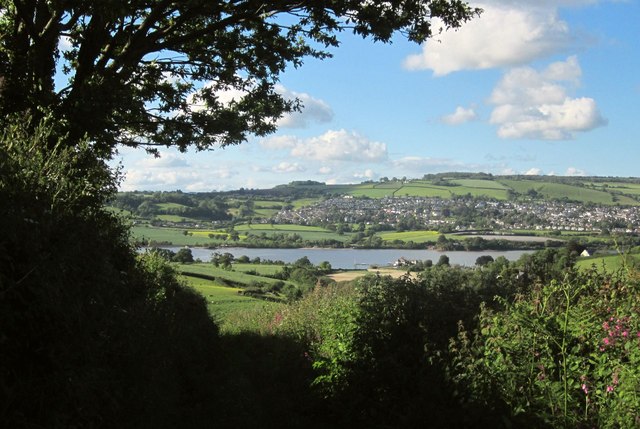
(462,214)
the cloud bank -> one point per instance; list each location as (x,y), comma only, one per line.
(536,104)
(333,145)
(506,34)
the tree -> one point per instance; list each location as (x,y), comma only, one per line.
(442,261)
(193,73)
(184,256)
(483,260)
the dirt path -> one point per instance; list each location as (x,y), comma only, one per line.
(352,275)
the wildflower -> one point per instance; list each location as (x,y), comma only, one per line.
(610,389)
(606,341)
(585,388)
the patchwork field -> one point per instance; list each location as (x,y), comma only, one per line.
(415,236)
(200,237)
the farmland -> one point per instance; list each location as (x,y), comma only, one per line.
(386,212)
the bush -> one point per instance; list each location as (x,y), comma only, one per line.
(91,335)
(565,354)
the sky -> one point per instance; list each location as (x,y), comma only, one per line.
(533,87)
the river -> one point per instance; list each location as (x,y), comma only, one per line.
(353,258)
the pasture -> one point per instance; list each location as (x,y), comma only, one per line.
(174,236)
(415,236)
(610,263)
(230,277)
(306,232)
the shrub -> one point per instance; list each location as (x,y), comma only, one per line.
(566,354)
(91,335)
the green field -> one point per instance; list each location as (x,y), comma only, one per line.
(415,236)
(610,262)
(174,236)
(480,184)
(166,206)
(174,218)
(261,269)
(423,188)
(266,213)
(553,190)
(303,202)
(200,237)
(371,192)
(306,232)
(222,300)
(231,276)
(415,190)
(624,188)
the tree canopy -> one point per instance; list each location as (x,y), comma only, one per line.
(187,73)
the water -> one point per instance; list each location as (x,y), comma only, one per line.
(353,258)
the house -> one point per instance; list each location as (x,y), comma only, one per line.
(403,262)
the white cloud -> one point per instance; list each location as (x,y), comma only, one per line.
(325,170)
(280,142)
(572,171)
(536,105)
(506,34)
(172,171)
(420,165)
(313,110)
(165,160)
(460,116)
(288,167)
(533,172)
(340,145)
(367,174)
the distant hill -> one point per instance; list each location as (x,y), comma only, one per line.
(597,190)
(243,204)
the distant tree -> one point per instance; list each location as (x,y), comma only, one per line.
(483,260)
(223,260)
(325,266)
(184,256)
(243,259)
(165,254)
(443,261)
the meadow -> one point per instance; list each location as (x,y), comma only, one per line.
(200,237)
(234,277)
(415,236)
(610,263)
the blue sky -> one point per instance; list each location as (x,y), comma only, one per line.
(530,87)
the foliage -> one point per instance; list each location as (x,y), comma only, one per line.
(565,354)
(91,335)
(181,73)
(183,256)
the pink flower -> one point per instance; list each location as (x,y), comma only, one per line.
(606,341)
(610,389)
(585,389)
